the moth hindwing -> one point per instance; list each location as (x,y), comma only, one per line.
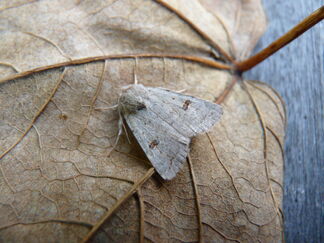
(163,122)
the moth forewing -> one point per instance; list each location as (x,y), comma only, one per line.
(163,123)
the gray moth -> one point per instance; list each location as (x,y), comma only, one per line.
(163,122)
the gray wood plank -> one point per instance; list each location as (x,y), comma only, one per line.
(297,72)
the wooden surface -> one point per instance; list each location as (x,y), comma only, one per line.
(297,73)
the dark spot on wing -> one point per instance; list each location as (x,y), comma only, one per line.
(63,117)
(186,105)
(153,144)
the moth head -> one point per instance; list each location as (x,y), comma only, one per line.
(130,101)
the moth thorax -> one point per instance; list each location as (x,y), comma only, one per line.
(131,103)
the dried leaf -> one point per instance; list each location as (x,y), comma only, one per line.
(58,182)
(244,22)
(232,188)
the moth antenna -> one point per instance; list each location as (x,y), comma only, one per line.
(181,90)
(178,91)
(135,70)
(164,70)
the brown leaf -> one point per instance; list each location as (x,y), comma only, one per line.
(232,189)
(58,182)
(244,22)
(58,33)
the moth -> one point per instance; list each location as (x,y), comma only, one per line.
(163,122)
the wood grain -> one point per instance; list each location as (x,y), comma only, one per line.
(297,72)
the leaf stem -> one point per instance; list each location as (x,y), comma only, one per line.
(295,32)
(112,210)
(220,99)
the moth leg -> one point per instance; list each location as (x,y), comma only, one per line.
(120,131)
(126,132)
(113,107)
